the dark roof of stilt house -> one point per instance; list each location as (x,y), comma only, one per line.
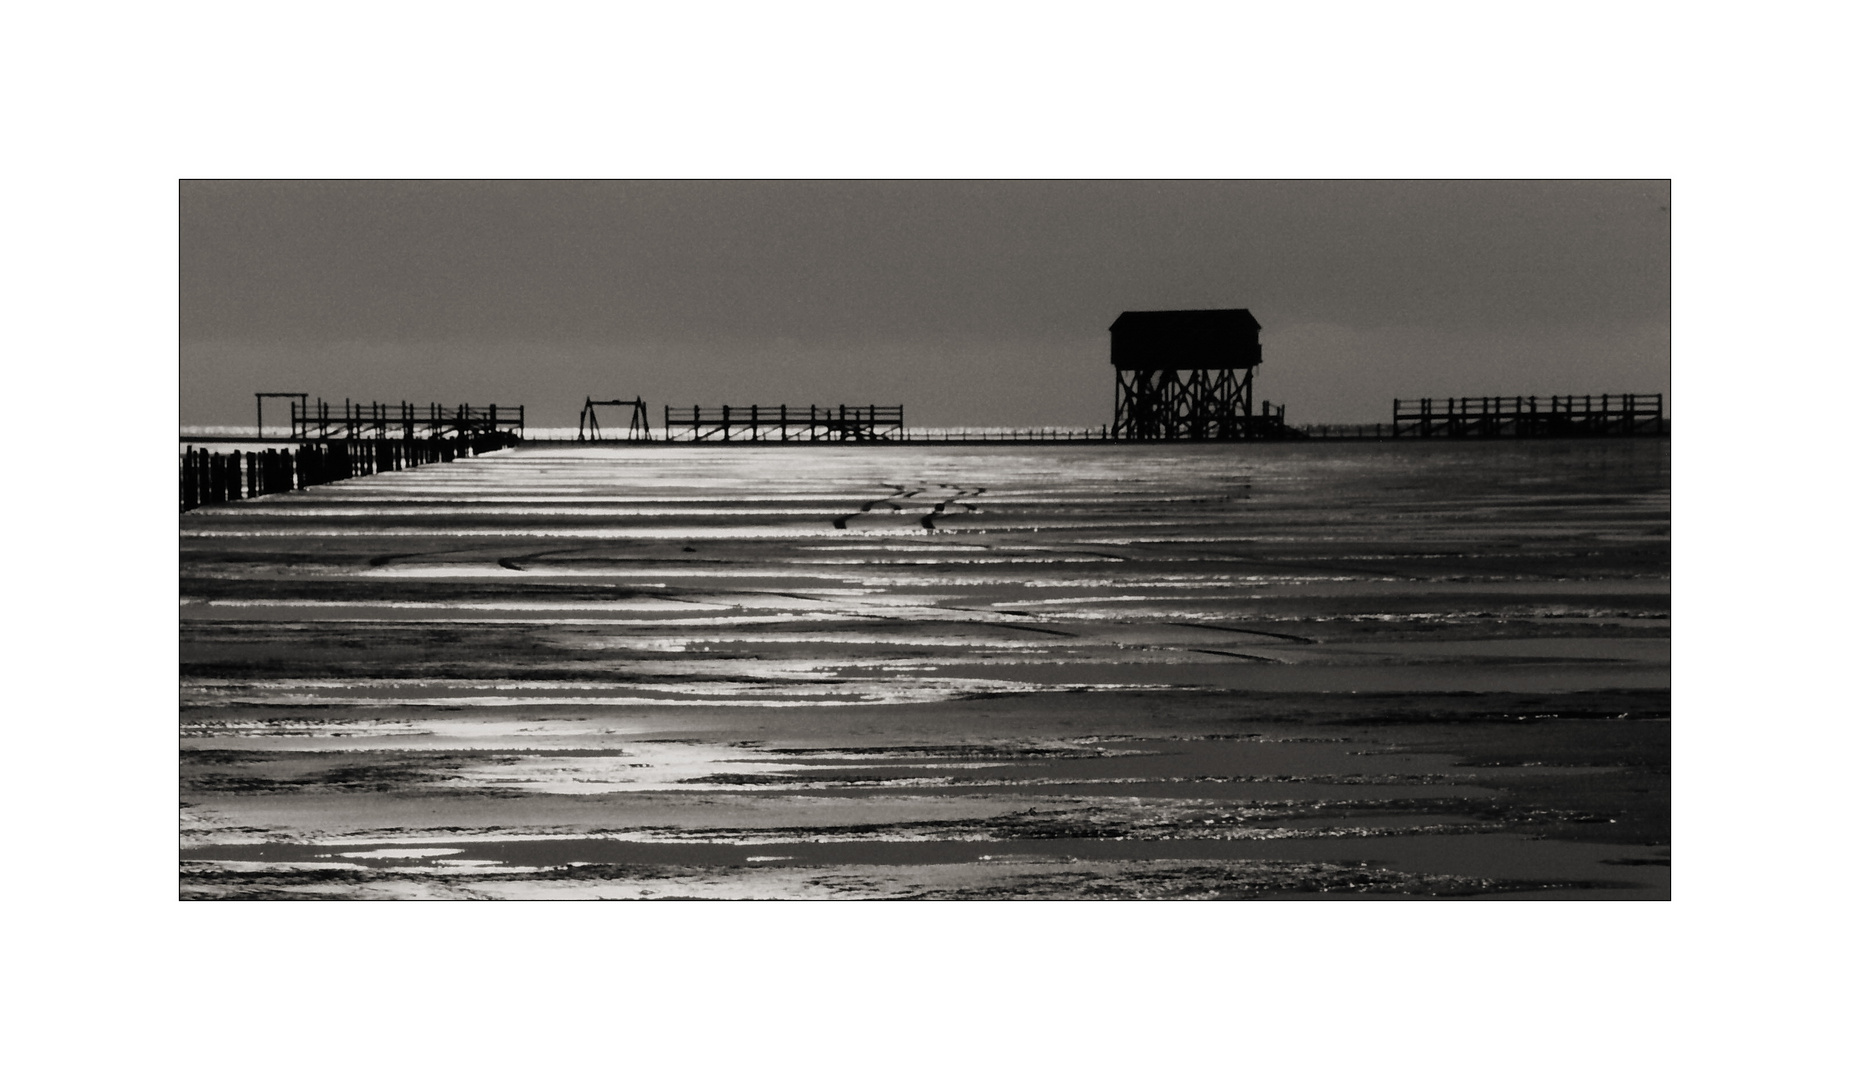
(1157,340)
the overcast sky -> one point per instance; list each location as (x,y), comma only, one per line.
(969,303)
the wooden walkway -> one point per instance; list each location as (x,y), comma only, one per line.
(208,477)
(321,421)
(1531,417)
(781,423)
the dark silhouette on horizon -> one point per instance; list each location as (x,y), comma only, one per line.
(588,431)
(1189,375)
(780,423)
(1566,416)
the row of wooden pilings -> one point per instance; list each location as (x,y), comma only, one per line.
(208,477)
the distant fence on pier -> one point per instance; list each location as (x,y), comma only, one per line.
(208,477)
(1102,433)
(1551,417)
(781,423)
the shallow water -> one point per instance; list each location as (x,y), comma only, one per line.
(403,657)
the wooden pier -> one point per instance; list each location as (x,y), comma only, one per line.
(208,477)
(321,422)
(1556,416)
(781,423)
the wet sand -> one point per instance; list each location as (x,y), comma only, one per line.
(1361,670)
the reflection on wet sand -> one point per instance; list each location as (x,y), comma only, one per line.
(1272,670)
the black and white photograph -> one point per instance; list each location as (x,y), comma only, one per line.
(902,503)
(935,539)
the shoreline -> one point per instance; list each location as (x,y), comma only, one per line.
(567,672)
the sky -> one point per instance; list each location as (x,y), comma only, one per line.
(978,303)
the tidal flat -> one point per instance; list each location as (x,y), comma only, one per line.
(1317,670)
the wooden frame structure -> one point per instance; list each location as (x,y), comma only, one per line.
(1199,403)
(404,421)
(301,399)
(1556,416)
(781,423)
(1188,375)
(639,419)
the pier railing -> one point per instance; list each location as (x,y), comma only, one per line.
(373,420)
(1555,416)
(781,423)
(208,477)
